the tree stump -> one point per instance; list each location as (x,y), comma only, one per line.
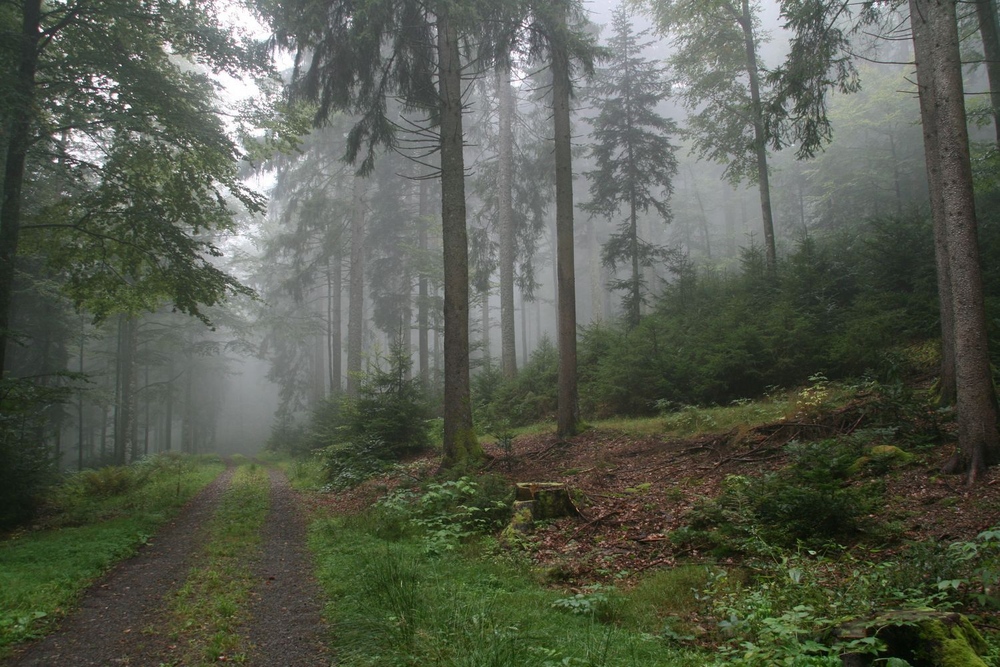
(924,638)
(550,500)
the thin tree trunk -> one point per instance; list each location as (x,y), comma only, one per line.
(168,417)
(460,443)
(356,294)
(125,444)
(986,11)
(568,417)
(79,397)
(21,109)
(939,75)
(423,296)
(508,338)
(484,300)
(760,144)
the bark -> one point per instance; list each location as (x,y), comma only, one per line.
(125,429)
(335,280)
(508,342)
(356,294)
(986,11)
(568,416)
(423,314)
(460,443)
(939,75)
(926,94)
(760,143)
(20,137)
(484,302)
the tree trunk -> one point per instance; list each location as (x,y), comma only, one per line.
(125,429)
(168,417)
(939,76)
(508,342)
(356,295)
(423,296)
(926,94)
(568,409)
(335,286)
(484,301)
(760,144)
(460,443)
(986,11)
(21,110)
(634,314)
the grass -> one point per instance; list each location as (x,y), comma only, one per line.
(94,520)
(214,600)
(393,603)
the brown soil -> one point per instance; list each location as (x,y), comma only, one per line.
(637,490)
(124,618)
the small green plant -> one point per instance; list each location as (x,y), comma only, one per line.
(597,601)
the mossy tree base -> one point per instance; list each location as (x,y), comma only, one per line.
(922,638)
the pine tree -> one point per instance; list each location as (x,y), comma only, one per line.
(635,160)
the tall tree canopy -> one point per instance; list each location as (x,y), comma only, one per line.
(119,168)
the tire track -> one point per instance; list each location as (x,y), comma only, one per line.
(123,618)
(286,626)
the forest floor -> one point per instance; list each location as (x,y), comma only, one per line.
(129,616)
(637,489)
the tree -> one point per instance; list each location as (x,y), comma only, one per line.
(138,192)
(351,69)
(635,159)
(821,59)
(986,12)
(939,79)
(716,60)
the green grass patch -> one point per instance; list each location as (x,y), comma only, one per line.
(214,600)
(91,525)
(391,602)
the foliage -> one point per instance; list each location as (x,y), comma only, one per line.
(635,159)
(528,398)
(812,501)
(358,437)
(719,337)
(26,465)
(448,512)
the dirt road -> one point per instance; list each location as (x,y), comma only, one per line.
(124,619)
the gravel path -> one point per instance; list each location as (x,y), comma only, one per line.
(287,626)
(124,618)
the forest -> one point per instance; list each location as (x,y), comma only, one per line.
(589,332)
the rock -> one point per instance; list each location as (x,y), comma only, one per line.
(924,638)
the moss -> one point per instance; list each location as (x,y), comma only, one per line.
(521,521)
(932,639)
(465,451)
